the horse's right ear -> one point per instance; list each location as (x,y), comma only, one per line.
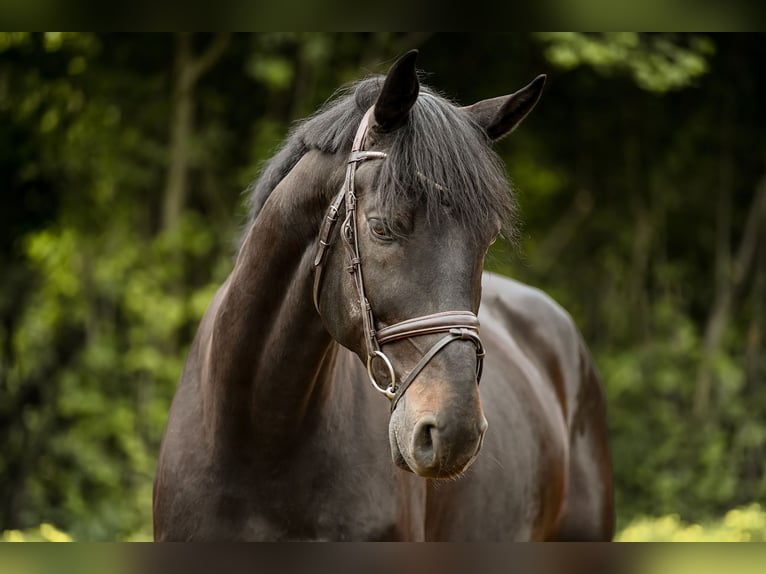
(500,116)
(400,90)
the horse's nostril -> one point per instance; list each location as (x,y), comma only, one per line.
(426,438)
(426,441)
(439,449)
(483,426)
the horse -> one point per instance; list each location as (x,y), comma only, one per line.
(332,389)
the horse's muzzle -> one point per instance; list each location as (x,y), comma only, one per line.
(432,449)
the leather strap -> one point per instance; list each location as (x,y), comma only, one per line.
(428,324)
(346,193)
(325,234)
(350,234)
(454,335)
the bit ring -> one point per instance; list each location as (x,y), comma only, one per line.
(390,392)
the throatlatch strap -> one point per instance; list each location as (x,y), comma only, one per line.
(345,195)
(325,234)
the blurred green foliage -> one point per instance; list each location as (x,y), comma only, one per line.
(657,63)
(746,524)
(635,177)
(43,533)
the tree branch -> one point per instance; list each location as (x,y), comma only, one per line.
(189,70)
(202,65)
(564,230)
(719,316)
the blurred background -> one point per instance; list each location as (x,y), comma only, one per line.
(641,180)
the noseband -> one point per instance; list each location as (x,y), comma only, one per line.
(458,325)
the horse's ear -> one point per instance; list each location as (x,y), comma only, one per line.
(400,90)
(500,116)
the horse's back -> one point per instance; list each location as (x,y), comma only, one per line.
(546,413)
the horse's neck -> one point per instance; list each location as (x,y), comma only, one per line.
(267,351)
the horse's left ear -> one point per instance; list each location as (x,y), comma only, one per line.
(400,90)
(500,116)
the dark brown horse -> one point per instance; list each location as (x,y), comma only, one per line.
(276,432)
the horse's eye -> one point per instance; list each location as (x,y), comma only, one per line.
(379,229)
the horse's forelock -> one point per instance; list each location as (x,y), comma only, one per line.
(440,159)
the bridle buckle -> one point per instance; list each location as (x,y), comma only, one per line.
(465,334)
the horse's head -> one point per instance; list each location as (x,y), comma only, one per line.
(431,196)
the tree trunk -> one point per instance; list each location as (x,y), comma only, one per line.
(563,231)
(733,283)
(754,364)
(188,71)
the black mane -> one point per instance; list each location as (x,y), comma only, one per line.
(439,158)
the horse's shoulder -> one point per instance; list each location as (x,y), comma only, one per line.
(529,305)
(542,330)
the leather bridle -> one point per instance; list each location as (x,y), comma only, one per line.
(458,325)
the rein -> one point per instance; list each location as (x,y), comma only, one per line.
(458,325)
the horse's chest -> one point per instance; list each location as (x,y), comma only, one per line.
(324,500)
